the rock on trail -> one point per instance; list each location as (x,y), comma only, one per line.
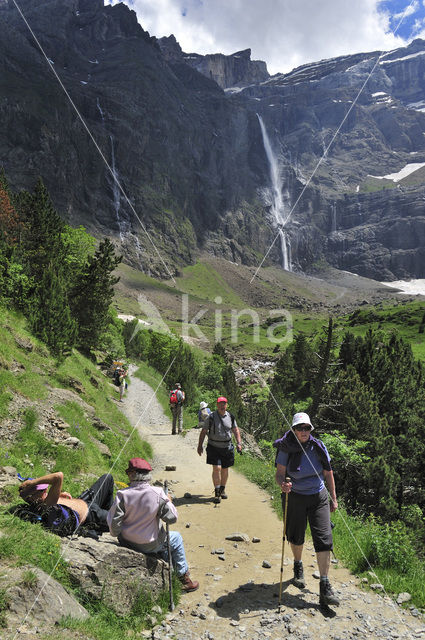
(238,595)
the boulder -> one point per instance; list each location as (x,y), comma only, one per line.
(238,537)
(38,598)
(107,572)
(103,448)
(250,445)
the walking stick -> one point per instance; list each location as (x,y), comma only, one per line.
(170,563)
(283,542)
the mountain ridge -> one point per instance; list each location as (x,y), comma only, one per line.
(191,156)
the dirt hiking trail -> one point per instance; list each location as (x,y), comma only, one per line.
(237,594)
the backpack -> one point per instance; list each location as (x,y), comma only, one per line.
(173,397)
(116,378)
(57,518)
(203,414)
(219,433)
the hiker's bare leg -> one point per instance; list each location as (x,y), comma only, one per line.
(297,551)
(216,475)
(323,562)
(224,476)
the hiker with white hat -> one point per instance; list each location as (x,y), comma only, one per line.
(302,469)
(203,413)
(219,426)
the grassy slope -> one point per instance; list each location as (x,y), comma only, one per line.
(271,290)
(26,372)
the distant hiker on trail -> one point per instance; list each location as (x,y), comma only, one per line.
(58,511)
(177,397)
(135,518)
(203,413)
(219,426)
(122,382)
(305,460)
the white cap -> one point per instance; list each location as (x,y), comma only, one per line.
(203,405)
(301,418)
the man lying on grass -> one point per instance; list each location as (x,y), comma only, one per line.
(58,511)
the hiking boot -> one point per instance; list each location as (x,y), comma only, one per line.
(187,583)
(217,497)
(223,493)
(298,579)
(327,596)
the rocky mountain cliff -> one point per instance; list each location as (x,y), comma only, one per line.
(193,140)
(236,70)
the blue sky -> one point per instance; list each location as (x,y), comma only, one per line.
(284,33)
(408,18)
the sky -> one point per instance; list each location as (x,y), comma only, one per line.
(283,33)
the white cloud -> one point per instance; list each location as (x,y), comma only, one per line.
(409,11)
(418,28)
(283,33)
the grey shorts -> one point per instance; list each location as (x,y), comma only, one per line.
(315,510)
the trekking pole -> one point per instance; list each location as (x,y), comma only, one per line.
(283,542)
(170,563)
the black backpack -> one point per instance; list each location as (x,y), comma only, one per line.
(57,518)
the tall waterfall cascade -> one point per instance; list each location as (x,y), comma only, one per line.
(116,192)
(279,210)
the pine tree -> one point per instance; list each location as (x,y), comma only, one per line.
(50,318)
(325,368)
(93,294)
(231,391)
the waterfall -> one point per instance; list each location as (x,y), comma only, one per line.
(333,223)
(277,208)
(99,108)
(116,192)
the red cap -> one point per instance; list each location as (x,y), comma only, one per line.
(221,399)
(138,464)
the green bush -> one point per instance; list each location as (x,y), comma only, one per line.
(391,547)
(3,607)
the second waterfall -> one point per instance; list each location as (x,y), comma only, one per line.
(279,211)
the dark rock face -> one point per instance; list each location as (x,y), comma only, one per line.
(166,132)
(190,157)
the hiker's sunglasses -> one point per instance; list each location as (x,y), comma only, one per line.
(303,427)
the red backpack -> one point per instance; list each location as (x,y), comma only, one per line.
(173,397)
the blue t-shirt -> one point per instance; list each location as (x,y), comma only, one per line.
(309,479)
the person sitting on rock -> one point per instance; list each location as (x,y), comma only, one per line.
(59,512)
(135,519)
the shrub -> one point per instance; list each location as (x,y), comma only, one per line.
(391,547)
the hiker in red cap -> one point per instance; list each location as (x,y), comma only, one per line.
(219,427)
(135,519)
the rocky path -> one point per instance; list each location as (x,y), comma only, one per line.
(239,581)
